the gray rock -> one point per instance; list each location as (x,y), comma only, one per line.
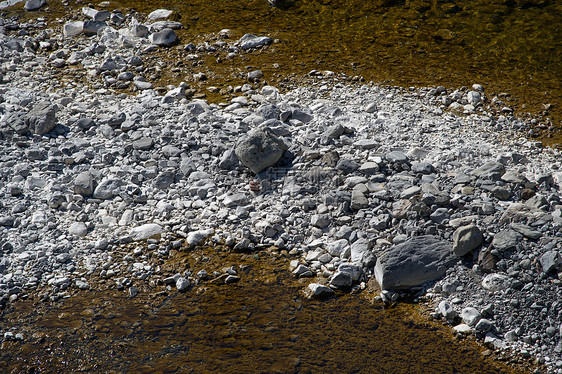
(320,220)
(250,41)
(334,131)
(140,31)
(470,316)
(85,123)
(506,239)
(197,237)
(422,167)
(236,200)
(182,284)
(318,291)
(84,184)
(341,280)
(501,193)
(414,262)
(496,282)
(549,261)
(396,156)
(78,229)
(145,231)
(358,200)
(164,180)
(526,230)
(446,310)
(361,253)
(159,14)
(491,170)
(42,118)
(410,192)
(143,144)
(483,325)
(353,270)
(338,248)
(166,37)
(228,159)
(440,215)
(302,271)
(34,4)
(92,27)
(259,150)
(346,165)
(369,168)
(466,239)
(107,188)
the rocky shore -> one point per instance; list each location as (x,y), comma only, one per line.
(427,190)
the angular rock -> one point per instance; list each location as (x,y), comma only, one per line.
(166,37)
(84,184)
(92,27)
(413,263)
(396,157)
(526,230)
(73,28)
(341,280)
(466,239)
(318,291)
(446,310)
(362,254)
(549,261)
(358,200)
(250,41)
(338,248)
(197,237)
(506,239)
(259,150)
(107,188)
(491,170)
(236,200)
(182,284)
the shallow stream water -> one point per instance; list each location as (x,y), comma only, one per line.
(263,324)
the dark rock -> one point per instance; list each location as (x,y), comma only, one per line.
(414,262)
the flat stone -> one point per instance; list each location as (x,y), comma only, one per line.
(250,41)
(358,200)
(197,237)
(506,239)
(338,248)
(413,263)
(466,239)
(396,156)
(159,14)
(496,282)
(526,230)
(491,170)
(145,231)
(143,144)
(236,200)
(410,192)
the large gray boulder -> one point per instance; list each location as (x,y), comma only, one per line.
(259,150)
(413,263)
(40,120)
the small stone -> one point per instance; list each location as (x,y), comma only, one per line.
(319,220)
(446,310)
(466,239)
(470,316)
(506,239)
(318,291)
(483,325)
(182,284)
(159,14)
(260,150)
(341,280)
(496,282)
(78,229)
(250,41)
(166,37)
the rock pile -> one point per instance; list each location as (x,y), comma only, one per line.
(356,181)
